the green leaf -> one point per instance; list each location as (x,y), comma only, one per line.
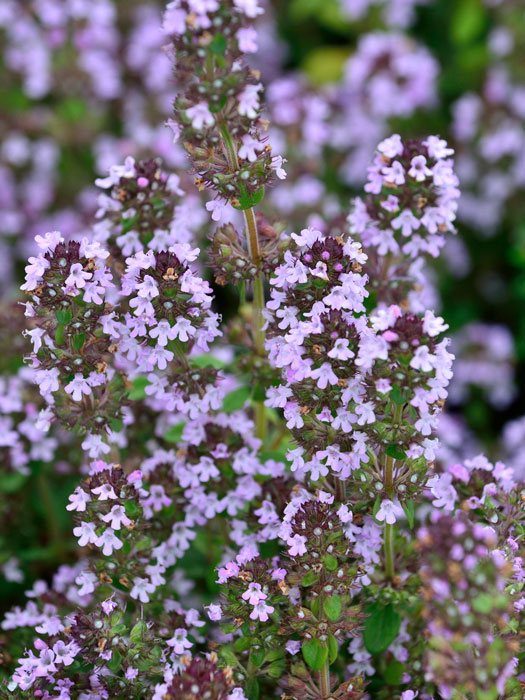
(381,627)
(116,661)
(252,689)
(397,395)
(138,631)
(259,392)
(218,44)
(257,657)
(275,669)
(116,424)
(274,655)
(394,672)
(132,509)
(395,452)
(247,200)
(203,361)
(410,512)
(333,649)
(78,341)
(174,433)
(59,334)
(468,21)
(236,400)
(63,316)
(330,562)
(228,656)
(309,579)
(138,388)
(315,654)
(332,607)
(242,643)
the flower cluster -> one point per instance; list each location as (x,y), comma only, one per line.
(68,284)
(305,598)
(213,470)
(351,383)
(466,608)
(412,198)
(169,318)
(485,358)
(272,513)
(35,32)
(387,79)
(487,128)
(23,430)
(388,76)
(218,108)
(142,209)
(315,333)
(103,648)
(203,678)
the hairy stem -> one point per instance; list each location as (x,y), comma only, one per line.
(252,239)
(388,548)
(388,483)
(324,680)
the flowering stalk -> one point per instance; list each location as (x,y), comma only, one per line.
(217,113)
(388,480)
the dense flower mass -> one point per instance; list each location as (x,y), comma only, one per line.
(218,109)
(466,604)
(412,198)
(227,469)
(141,208)
(68,284)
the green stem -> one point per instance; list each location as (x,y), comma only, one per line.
(258,321)
(258,283)
(388,535)
(254,251)
(324,680)
(388,547)
(388,483)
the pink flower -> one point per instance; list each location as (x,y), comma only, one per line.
(261,611)
(116,518)
(78,387)
(109,542)
(180,642)
(200,116)
(391,147)
(247,40)
(296,545)
(78,500)
(389,512)
(104,492)
(86,533)
(214,612)
(142,587)
(254,594)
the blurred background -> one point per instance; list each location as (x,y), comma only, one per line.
(85,83)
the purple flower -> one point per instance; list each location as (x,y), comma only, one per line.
(389,511)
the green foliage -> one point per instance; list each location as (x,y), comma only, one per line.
(381,627)
(315,653)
